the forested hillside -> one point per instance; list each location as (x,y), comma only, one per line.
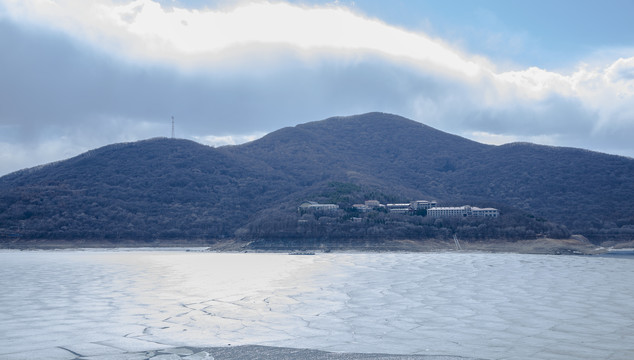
(589,192)
(178,189)
(159,188)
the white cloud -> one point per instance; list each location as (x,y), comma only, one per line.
(253,67)
(214,140)
(621,71)
(144,29)
(500,139)
(606,91)
(491,139)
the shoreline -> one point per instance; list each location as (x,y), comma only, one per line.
(542,246)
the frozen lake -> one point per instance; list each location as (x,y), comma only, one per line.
(106,304)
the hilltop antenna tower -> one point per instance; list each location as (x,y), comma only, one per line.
(172,127)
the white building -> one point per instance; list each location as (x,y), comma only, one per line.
(398,208)
(361,207)
(373,203)
(448,211)
(422,204)
(315,206)
(462,211)
(485,212)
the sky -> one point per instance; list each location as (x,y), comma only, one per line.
(76,75)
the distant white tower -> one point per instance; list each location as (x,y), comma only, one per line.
(172,127)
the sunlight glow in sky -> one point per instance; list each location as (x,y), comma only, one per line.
(106,71)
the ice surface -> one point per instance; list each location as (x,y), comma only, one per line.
(100,304)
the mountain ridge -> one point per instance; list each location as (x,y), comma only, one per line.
(178,189)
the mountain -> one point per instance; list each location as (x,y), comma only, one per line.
(162,188)
(178,189)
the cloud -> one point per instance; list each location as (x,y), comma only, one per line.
(145,30)
(497,139)
(98,72)
(16,156)
(622,71)
(214,140)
